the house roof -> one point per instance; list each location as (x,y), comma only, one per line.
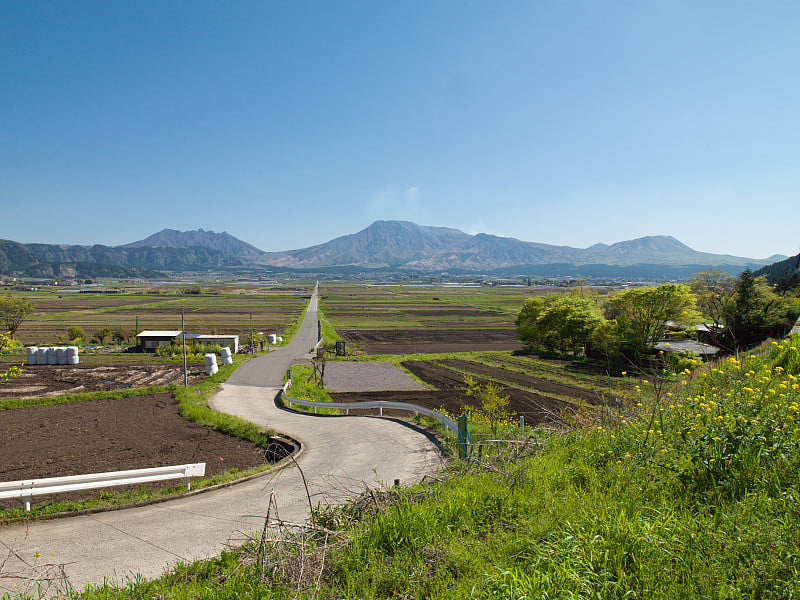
(686,345)
(170,334)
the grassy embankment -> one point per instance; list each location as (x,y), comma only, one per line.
(694,496)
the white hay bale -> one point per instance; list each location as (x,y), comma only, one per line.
(273,339)
(211,364)
(61,355)
(33,355)
(52,356)
(225,356)
(72,355)
(279,338)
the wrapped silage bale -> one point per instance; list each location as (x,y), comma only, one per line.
(279,338)
(273,339)
(211,364)
(72,355)
(52,356)
(33,355)
(225,356)
(61,355)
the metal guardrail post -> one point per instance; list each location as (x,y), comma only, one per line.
(463,436)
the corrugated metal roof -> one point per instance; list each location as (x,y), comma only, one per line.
(159,333)
(684,345)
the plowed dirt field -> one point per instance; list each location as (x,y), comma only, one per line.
(543,385)
(52,380)
(110,435)
(429,341)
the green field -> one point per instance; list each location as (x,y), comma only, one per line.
(223,310)
(391,307)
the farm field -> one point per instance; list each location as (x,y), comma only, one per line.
(99,372)
(220,310)
(444,334)
(110,435)
(536,399)
(402,320)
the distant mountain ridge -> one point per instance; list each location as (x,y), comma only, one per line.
(780,268)
(17,259)
(384,245)
(223,242)
(401,244)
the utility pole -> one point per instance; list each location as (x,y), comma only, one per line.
(252,341)
(183,336)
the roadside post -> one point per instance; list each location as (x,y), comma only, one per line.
(463,438)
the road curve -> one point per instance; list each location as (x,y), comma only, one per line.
(340,456)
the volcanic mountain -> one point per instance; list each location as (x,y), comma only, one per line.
(224,242)
(400,244)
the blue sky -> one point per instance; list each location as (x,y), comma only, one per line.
(287,124)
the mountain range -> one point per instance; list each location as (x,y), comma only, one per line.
(384,245)
(400,244)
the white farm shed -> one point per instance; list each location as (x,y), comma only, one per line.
(152,340)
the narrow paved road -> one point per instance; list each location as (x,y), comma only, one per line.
(340,456)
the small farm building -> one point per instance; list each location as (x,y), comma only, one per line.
(151,340)
(231,341)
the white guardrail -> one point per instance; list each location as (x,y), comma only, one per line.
(53,485)
(379,404)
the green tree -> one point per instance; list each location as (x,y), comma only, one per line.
(13,311)
(714,291)
(526,320)
(642,314)
(606,337)
(119,336)
(756,312)
(559,322)
(75,332)
(788,282)
(493,407)
(102,334)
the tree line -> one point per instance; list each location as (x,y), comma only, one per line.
(739,313)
